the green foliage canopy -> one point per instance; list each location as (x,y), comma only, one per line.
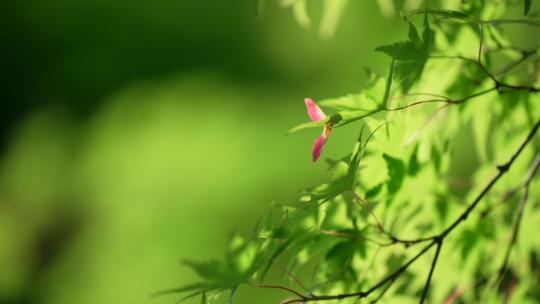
(397,221)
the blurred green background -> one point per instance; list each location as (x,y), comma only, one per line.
(138,133)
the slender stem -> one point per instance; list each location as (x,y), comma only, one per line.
(351,236)
(379,225)
(399,271)
(476,62)
(519,88)
(430,118)
(383,292)
(481,43)
(365,204)
(293,277)
(475,95)
(498,83)
(506,68)
(363,294)
(519,215)
(444,99)
(419,103)
(431,270)
(279,287)
(505,197)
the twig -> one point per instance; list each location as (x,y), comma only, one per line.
(433,264)
(363,294)
(524,56)
(498,83)
(481,42)
(506,196)
(293,277)
(478,63)
(425,123)
(444,99)
(519,215)
(393,239)
(279,287)
(350,236)
(383,292)
(365,204)
(475,95)
(419,103)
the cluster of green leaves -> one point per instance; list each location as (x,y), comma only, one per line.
(444,156)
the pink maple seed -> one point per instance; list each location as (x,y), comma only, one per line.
(319,142)
(313,110)
(316,114)
(317,146)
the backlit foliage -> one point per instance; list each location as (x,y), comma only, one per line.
(400,219)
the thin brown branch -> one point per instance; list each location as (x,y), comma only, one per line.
(351,236)
(383,292)
(476,62)
(293,277)
(511,87)
(363,294)
(426,122)
(498,83)
(431,270)
(509,66)
(481,43)
(444,99)
(378,224)
(475,95)
(505,197)
(519,215)
(419,103)
(279,287)
(365,204)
